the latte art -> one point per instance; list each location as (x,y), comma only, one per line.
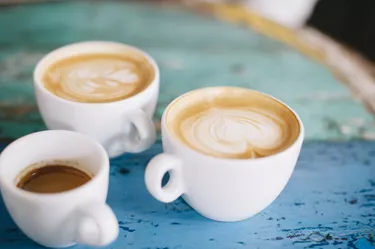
(234,133)
(97,78)
(231,122)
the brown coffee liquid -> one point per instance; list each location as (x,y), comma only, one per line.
(232,122)
(99,78)
(53,179)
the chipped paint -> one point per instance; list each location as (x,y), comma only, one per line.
(325,205)
(329,202)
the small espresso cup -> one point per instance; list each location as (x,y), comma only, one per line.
(65,218)
(121,125)
(230,187)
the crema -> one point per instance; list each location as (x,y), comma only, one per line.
(98,77)
(230,122)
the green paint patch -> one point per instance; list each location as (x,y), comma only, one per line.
(193,51)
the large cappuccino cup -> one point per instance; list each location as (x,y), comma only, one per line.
(229,152)
(106,90)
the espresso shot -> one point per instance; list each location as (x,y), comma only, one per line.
(53,179)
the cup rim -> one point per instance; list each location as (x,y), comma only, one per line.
(104,163)
(177,141)
(38,70)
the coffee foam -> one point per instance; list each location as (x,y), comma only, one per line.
(230,122)
(98,77)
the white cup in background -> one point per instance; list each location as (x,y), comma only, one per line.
(120,126)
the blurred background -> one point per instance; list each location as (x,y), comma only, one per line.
(348,21)
(316,55)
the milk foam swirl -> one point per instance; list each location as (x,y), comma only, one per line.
(235,133)
(97,79)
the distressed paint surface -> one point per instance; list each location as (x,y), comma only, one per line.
(193,51)
(328,203)
(330,200)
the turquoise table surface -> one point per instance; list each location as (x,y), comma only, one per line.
(330,199)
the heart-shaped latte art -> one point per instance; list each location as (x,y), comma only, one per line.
(235,133)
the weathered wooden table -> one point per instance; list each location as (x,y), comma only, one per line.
(330,199)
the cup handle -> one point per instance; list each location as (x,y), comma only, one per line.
(145,135)
(97,225)
(156,169)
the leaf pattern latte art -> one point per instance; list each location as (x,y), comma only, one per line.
(95,80)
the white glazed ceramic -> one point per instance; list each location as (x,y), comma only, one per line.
(120,126)
(290,13)
(218,188)
(62,219)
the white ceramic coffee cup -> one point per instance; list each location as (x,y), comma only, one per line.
(60,219)
(120,126)
(219,188)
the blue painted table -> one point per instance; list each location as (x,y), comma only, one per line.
(328,203)
(330,199)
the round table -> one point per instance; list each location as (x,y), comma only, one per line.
(330,199)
